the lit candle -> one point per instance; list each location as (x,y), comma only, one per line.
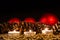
(30,30)
(13,33)
(46,31)
(29,33)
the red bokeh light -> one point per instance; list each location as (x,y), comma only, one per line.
(49,19)
(52,20)
(31,20)
(14,20)
(43,20)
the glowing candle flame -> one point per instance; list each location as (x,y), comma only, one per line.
(29,33)
(14,31)
(30,30)
(46,30)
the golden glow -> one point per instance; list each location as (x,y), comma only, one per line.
(46,31)
(14,31)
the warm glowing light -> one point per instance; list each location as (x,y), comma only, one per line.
(14,31)
(43,31)
(46,31)
(30,30)
(29,33)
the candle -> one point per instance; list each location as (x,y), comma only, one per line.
(46,31)
(29,33)
(30,30)
(13,33)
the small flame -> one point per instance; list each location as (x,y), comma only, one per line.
(30,30)
(46,30)
(14,31)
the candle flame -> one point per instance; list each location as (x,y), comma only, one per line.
(14,31)
(30,30)
(46,30)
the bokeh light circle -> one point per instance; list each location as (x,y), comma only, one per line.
(48,19)
(29,19)
(14,20)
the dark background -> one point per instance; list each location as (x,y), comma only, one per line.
(22,9)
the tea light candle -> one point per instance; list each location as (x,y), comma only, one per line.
(14,33)
(29,33)
(46,31)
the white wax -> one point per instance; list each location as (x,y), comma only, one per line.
(14,31)
(46,31)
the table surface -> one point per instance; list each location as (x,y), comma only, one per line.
(35,37)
